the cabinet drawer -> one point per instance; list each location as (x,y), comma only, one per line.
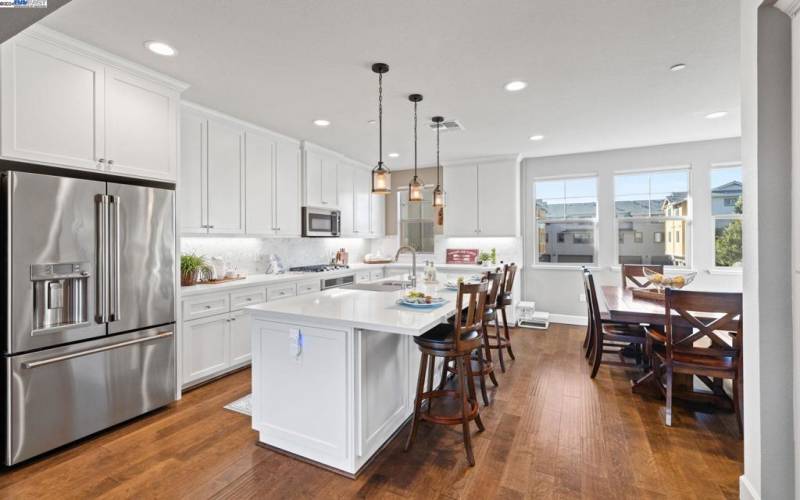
(362,276)
(305,287)
(205,305)
(281,292)
(376,275)
(243,298)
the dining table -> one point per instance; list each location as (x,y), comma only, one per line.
(618,304)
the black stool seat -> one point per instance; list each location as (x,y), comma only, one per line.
(440,337)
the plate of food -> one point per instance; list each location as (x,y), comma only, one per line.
(420,300)
(453,285)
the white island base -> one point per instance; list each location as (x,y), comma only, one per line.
(335,373)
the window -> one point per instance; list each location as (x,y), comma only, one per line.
(650,205)
(566,208)
(417,221)
(726,212)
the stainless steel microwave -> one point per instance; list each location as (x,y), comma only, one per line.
(321,222)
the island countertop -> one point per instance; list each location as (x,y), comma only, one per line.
(362,309)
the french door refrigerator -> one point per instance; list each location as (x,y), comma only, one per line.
(88,303)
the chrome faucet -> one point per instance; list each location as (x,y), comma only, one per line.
(413,262)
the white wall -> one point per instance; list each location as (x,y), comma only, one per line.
(557,289)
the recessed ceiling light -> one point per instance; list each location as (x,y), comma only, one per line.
(321,123)
(394,155)
(716,114)
(515,85)
(536,137)
(160,48)
(677,67)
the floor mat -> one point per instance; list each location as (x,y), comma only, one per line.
(241,405)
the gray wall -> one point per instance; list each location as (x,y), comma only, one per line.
(557,289)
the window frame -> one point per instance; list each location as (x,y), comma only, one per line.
(593,220)
(714,218)
(658,218)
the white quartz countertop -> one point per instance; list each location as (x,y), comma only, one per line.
(364,309)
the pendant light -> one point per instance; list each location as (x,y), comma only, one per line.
(438,194)
(381,176)
(415,186)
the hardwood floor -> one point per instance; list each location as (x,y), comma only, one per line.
(552,432)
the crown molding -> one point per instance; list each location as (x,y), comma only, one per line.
(790,7)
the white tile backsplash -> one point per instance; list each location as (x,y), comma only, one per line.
(249,254)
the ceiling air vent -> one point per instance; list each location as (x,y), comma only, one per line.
(448,126)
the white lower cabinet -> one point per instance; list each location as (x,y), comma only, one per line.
(206,349)
(239,338)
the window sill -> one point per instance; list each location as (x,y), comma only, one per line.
(564,267)
(725,271)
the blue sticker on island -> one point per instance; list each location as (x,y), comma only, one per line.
(6,4)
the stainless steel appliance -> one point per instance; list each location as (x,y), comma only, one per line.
(321,222)
(88,303)
(337,282)
(318,268)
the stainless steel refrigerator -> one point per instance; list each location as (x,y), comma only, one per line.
(89,288)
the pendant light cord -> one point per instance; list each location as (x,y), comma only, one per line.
(438,127)
(380,118)
(415,140)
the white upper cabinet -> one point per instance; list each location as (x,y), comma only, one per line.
(330,186)
(377,210)
(312,178)
(141,127)
(482,199)
(287,188)
(347,199)
(192,186)
(259,175)
(65,104)
(320,178)
(363,190)
(461,200)
(225,177)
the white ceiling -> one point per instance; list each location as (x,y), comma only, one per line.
(597,70)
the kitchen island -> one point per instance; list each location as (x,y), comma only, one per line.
(334,372)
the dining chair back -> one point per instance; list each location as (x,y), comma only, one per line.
(634,274)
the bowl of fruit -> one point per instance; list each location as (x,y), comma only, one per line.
(420,300)
(662,281)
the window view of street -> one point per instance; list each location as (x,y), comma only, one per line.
(726,209)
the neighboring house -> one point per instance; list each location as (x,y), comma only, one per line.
(724,198)
(675,230)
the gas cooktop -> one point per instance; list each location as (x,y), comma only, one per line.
(319,268)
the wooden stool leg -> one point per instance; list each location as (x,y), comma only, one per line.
(483,377)
(431,361)
(488,353)
(461,375)
(472,396)
(499,348)
(443,380)
(417,402)
(508,334)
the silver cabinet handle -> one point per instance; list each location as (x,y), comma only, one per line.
(233,319)
(110,162)
(65,357)
(208,307)
(115,253)
(101,204)
(210,227)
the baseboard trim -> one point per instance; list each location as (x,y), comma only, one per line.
(746,490)
(568,319)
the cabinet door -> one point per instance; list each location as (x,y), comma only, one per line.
(141,127)
(347,199)
(461,207)
(240,350)
(205,347)
(377,213)
(259,159)
(52,104)
(192,188)
(363,187)
(287,188)
(313,179)
(498,199)
(329,189)
(225,178)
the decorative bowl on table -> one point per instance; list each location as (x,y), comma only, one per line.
(662,281)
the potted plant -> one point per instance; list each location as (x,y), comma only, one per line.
(484,258)
(192,267)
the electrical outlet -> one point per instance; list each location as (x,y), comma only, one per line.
(582,297)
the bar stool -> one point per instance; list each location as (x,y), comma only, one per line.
(481,360)
(455,342)
(504,298)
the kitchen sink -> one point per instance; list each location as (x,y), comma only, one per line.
(382,286)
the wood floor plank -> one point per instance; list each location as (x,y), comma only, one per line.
(551,432)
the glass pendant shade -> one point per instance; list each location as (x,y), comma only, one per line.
(438,197)
(381,179)
(415,189)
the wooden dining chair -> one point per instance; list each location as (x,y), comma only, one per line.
(634,274)
(453,341)
(608,337)
(694,318)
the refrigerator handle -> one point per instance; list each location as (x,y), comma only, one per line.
(101,203)
(114,252)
